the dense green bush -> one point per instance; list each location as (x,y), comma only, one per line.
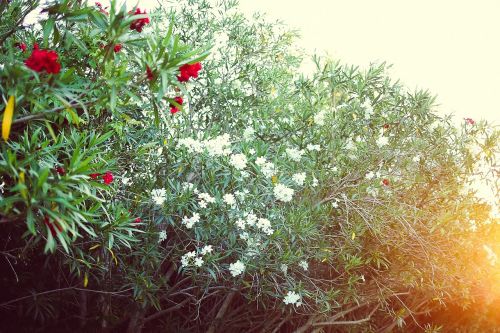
(260,200)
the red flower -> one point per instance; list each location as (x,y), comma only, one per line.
(139,23)
(386,126)
(43,60)
(102,10)
(174,108)
(94,175)
(117,48)
(470,121)
(138,220)
(21,46)
(149,73)
(60,170)
(188,71)
(107,178)
(385,182)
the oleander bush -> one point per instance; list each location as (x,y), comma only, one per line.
(174,171)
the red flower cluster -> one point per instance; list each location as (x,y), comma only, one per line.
(173,108)
(470,121)
(117,48)
(188,71)
(385,182)
(149,73)
(139,23)
(21,46)
(138,220)
(52,226)
(43,60)
(107,177)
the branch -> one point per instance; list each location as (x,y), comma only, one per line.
(162,312)
(221,312)
(351,322)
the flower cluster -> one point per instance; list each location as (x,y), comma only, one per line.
(188,71)
(204,199)
(251,220)
(107,177)
(267,168)
(159,196)
(283,193)
(299,178)
(238,161)
(237,268)
(292,298)
(43,60)
(190,221)
(139,24)
(294,154)
(218,146)
(192,258)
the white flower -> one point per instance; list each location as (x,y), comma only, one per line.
(314,182)
(206,250)
(189,222)
(159,196)
(367,105)
(283,193)
(304,265)
(198,262)
(229,199)
(186,258)
(240,224)
(251,151)
(312,147)
(238,161)
(372,191)
(218,146)
(382,141)
(268,169)
(416,159)
(294,154)
(162,235)
(260,161)
(299,178)
(265,226)
(241,194)
(236,268)
(350,145)
(125,181)
(370,175)
(319,118)
(292,298)
(251,219)
(284,268)
(249,133)
(186,186)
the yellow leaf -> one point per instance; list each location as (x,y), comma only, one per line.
(165,142)
(353,235)
(114,257)
(7,118)
(274,179)
(85,280)
(94,247)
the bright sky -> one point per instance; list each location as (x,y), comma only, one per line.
(450,47)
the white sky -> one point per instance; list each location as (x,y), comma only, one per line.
(450,47)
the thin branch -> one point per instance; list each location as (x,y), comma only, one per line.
(351,322)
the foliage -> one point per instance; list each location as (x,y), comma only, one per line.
(272,201)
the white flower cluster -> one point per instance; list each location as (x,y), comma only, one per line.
(237,268)
(248,133)
(304,265)
(229,199)
(312,147)
(319,118)
(382,141)
(189,222)
(268,168)
(204,199)
(283,193)
(162,235)
(218,146)
(294,154)
(251,220)
(238,161)
(186,186)
(191,258)
(367,105)
(299,178)
(159,196)
(292,298)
